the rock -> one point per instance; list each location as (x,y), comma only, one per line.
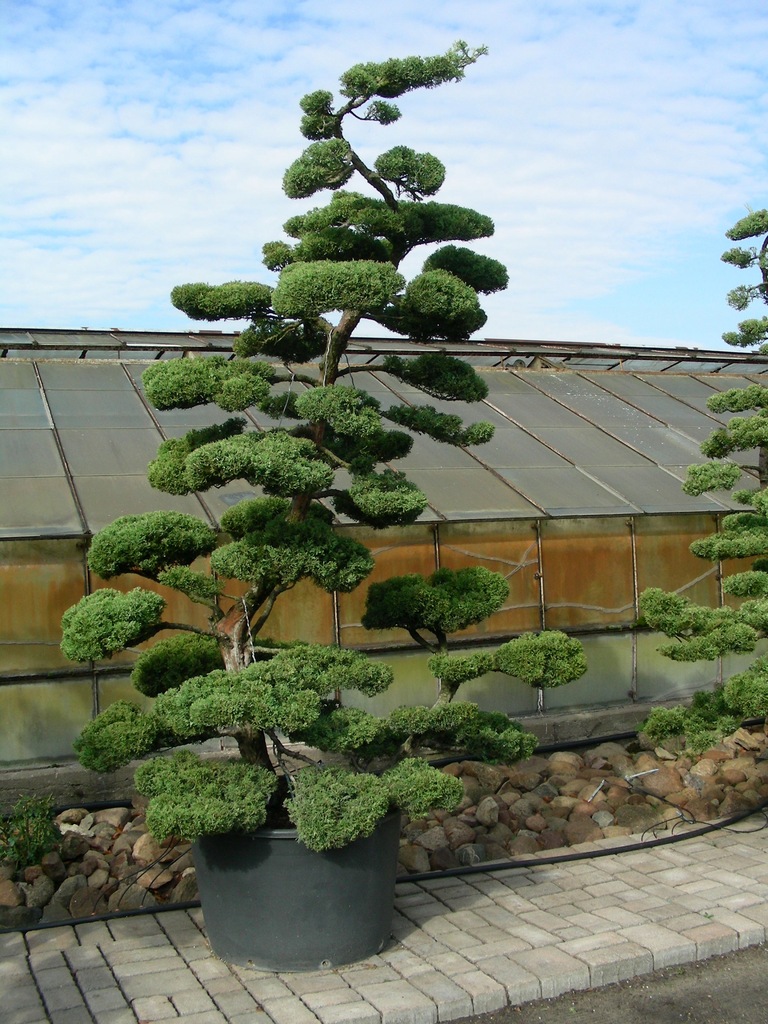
(490,776)
(186,888)
(39,893)
(432,839)
(19,917)
(733,803)
(130,897)
(525,780)
(495,851)
(744,738)
(72,816)
(546,790)
(637,817)
(536,823)
(487,812)
(115,816)
(582,829)
(603,818)
(732,776)
(73,846)
(414,829)
(147,850)
(522,846)
(662,782)
(99,878)
(10,894)
(414,859)
(67,890)
(86,902)
(472,788)
(443,859)
(472,853)
(565,761)
(552,839)
(154,877)
(127,840)
(458,832)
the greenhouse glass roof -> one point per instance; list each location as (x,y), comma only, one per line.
(581,430)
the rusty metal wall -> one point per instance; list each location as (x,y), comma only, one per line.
(582,575)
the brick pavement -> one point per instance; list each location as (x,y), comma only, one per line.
(461,946)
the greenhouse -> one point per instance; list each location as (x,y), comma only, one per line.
(577,500)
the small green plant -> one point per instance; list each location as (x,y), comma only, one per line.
(28,832)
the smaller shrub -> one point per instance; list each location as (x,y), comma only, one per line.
(28,832)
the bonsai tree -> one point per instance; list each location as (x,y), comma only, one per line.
(340,267)
(431,608)
(707,633)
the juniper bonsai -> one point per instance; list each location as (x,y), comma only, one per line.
(699,632)
(330,452)
(431,608)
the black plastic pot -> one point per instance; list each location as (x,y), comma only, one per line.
(269,902)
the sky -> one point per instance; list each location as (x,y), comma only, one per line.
(613,142)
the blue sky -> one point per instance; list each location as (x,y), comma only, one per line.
(613,143)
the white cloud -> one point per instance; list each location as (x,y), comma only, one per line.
(612,142)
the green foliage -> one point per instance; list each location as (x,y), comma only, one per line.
(191,797)
(28,832)
(118,735)
(542,659)
(701,633)
(149,543)
(236,300)
(442,603)
(461,726)
(197,586)
(381,500)
(454,669)
(415,787)
(439,375)
(233,385)
(332,807)
(167,471)
(709,718)
(755,331)
(325,164)
(717,476)
(347,411)
(441,426)
(283,552)
(311,289)
(436,304)
(481,273)
(413,174)
(397,76)
(105,622)
(169,663)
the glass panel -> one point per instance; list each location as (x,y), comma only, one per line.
(39,580)
(109,453)
(410,549)
(660,679)
(498,692)
(587,570)
(40,721)
(589,446)
(608,679)
(664,559)
(652,489)
(83,376)
(566,491)
(22,407)
(511,446)
(510,548)
(304,613)
(414,684)
(43,506)
(104,499)
(72,410)
(120,687)
(29,453)
(471,494)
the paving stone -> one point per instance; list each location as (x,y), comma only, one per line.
(234,1002)
(521,985)
(713,939)
(450,998)
(556,970)
(197,1001)
(289,1010)
(399,1002)
(106,1000)
(609,964)
(667,947)
(154,1008)
(347,1013)
(486,994)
